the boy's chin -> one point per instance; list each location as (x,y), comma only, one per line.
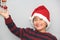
(40,28)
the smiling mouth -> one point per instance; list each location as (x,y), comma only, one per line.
(39,25)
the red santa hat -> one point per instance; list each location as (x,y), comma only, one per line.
(41,12)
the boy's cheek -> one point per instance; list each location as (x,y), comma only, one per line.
(35,24)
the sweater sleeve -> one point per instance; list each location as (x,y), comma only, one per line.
(11,25)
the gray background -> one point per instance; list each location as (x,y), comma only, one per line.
(20,11)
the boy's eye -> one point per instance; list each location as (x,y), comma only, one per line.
(35,19)
(41,19)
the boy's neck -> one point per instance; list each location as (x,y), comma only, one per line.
(43,31)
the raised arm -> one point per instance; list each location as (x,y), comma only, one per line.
(11,25)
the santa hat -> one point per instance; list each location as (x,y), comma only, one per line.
(41,12)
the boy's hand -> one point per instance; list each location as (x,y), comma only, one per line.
(4,14)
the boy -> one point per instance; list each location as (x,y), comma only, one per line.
(40,19)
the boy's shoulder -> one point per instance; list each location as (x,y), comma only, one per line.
(51,35)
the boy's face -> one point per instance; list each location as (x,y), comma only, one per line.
(39,23)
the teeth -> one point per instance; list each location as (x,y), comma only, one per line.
(39,25)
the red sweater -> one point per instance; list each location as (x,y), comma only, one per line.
(27,34)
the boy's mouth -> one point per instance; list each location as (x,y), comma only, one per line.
(38,25)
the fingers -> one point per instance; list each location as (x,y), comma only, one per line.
(3,9)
